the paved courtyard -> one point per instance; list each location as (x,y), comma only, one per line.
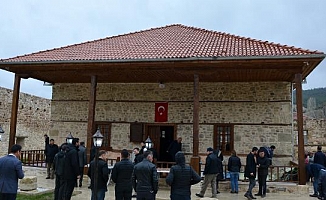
(83,193)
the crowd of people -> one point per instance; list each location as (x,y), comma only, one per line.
(316,171)
(66,164)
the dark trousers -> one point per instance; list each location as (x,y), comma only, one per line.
(123,193)
(81,172)
(57,187)
(179,197)
(8,196)
(262,184)
(66,189)
(252,183)
(145,195)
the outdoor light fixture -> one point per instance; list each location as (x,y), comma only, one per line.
(98,138)
(69,138)
(1,132)
(148,143)
(161,85)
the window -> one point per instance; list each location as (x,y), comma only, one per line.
(105,129)
(305,137)
(223,138)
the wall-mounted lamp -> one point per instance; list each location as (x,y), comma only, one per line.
(161,85)
(1,132)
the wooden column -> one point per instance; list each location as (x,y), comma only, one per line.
(14,111)
(91,113)
(301,159)
(195,159)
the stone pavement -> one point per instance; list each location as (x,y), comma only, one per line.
(83,193)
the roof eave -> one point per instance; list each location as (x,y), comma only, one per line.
(309,56)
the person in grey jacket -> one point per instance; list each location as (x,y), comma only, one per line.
(145,179)
(10,171)
(181,177)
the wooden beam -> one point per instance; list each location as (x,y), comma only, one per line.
(302,171)
(14,111)
(91,113)
(195,160)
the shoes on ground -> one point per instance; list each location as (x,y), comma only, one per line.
(232,192)
(314,195)
(257,194)
(47,177)
(199,195)
(252,197)
(80,185)
(263,195)
(217,192)
(248,196)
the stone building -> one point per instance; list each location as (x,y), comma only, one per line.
(33,120)
(212,88)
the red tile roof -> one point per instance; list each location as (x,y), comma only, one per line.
(173,41)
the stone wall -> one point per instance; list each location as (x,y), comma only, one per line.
(316,135)
(33,120)
(261,112)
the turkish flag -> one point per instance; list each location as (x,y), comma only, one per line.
(161,112)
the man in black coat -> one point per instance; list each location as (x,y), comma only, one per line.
(138,157)
(71,172)
(181,177)
(263,163)
(50,151)
(145,179)
(102,176)
(121,175)
(250,172)
(320,157)
(174,147)
(210,173)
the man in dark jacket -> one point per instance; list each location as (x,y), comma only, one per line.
(50,151)
(145,179)
(320,157)
(220,175)
(181,177)
(58,165)
(250,172)
(263,163)
(71,171)
(138,156)
(82,157)
(121,175)
(174,147)
(102,176)
(314,172)
(210,173)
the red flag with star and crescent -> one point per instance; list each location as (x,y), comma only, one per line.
(161,112)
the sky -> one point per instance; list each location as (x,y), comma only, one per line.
(32,25)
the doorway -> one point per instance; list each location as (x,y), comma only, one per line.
(161,136)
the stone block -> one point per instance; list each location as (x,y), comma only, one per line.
(28,183)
